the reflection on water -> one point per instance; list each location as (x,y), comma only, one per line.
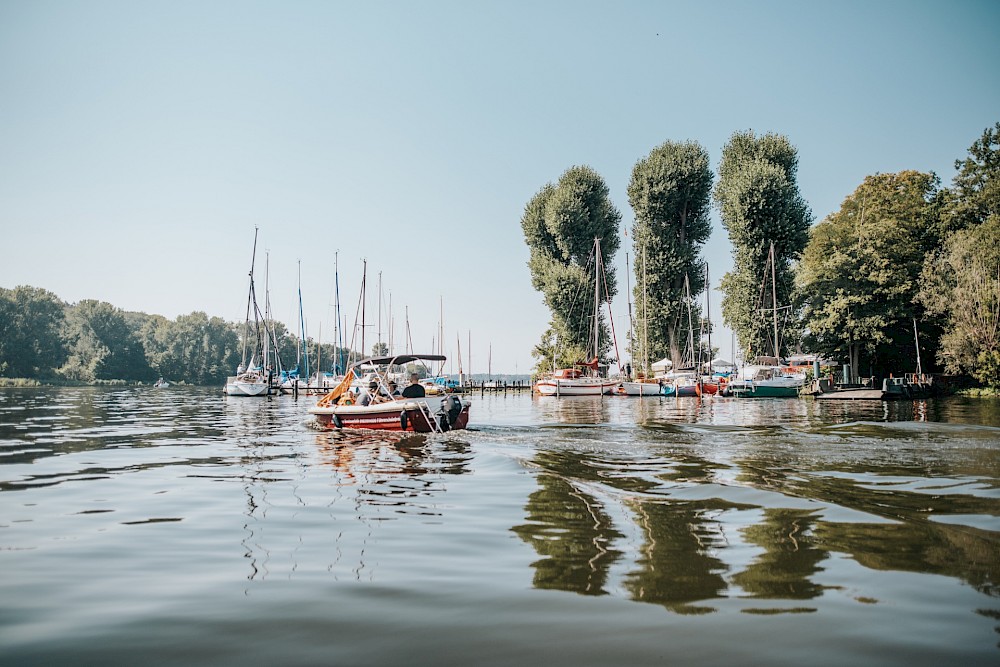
(841,532)
(573,535)
(792,488)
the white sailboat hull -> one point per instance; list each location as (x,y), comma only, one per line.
(641,388)
(241,387)
(575,387)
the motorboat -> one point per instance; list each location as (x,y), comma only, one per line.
(345,408)
(765,381)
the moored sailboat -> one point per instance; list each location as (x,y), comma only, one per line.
(574,381)
(766,378)
(252,377)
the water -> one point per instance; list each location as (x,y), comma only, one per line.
(177,526)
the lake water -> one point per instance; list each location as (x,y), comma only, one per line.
(143,526)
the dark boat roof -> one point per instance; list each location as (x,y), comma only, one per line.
(399,359)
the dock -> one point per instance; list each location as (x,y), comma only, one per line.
(860,394)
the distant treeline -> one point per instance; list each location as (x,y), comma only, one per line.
(47,339)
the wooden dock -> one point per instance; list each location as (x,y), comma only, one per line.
(861,394)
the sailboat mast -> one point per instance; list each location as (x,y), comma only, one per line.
(246,326)
(458,347)
(364,278)
(597,297)
(916,342)
(302,325)
(267,306)
(631,326)
(645,318)
(774,302)
(338,334)
(409,336)
(708,315)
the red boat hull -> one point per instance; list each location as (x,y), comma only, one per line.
(394,418)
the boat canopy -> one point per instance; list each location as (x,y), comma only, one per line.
(662,365)
(399,359)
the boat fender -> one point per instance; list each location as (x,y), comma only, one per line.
(336,420)
(453,408)
(403,421)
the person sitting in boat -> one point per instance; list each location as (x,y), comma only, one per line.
(373,395)
(414,389)
(393,390)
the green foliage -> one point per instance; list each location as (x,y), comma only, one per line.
(962,284)
(860,273)
(31,321)
(670,195)
(101,345)
(93,342)
(758,197)
(195,348)
(977,184)
(552,354)
(560,224)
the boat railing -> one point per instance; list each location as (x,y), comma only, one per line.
(426,411)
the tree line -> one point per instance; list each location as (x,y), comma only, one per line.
(903,260)
(43,338)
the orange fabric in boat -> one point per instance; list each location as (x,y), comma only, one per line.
(336,392)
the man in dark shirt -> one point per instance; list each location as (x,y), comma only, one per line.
(414,389)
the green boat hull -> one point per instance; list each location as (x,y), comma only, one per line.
(766,392)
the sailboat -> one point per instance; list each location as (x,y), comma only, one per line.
(642,385)
(766,378)
(573,381)
(251,377)
(299,376)
(685,381)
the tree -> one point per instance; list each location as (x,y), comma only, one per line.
(31,321)
(758,198)
(976,186)
(860,273)
(196,348)
(560,224)
(962,284)
(670,195)
(101,345)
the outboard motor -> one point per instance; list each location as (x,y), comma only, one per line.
(453,408)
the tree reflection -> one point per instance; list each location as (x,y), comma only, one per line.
(790,557)
(913,541)
(676,566)
(573,534)
(962,552)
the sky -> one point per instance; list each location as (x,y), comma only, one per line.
(142,142)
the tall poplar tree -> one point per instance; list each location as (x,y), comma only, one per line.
(670,195)
(560,224)
(759,200)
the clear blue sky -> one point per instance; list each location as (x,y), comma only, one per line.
(141,142)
